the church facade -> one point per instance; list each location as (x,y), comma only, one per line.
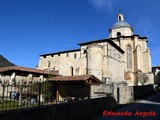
(113,60)
(137,54)
(101,58)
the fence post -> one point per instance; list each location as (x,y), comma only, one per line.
(39,97)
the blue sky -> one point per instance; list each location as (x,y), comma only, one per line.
(29,28)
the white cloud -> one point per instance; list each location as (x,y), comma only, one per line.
(102,4)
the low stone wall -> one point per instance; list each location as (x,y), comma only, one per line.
(142,91)
(79,110)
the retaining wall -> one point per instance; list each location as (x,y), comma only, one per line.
(78,110)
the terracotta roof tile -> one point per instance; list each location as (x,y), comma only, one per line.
(75,78)
(25,69)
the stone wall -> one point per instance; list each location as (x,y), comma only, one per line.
(79,110)
(100,59)
(140,57)
(123,93)
(125,31)
(94,60)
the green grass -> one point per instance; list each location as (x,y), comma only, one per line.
(11,105)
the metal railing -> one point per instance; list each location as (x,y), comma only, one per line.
(24,94)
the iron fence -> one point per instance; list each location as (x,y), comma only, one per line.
(24,94)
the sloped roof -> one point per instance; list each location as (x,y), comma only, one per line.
(109,40)
(66,51)
(75,78)
(25,69)
(4,62)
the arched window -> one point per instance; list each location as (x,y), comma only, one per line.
(71,68)
(118,34)
(119,18)
(128,57)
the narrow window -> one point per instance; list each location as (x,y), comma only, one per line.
(108,50)
(104,80)
(75,56)
(67,55)
(49,64)
(85,51)
(128,58)
(71,68)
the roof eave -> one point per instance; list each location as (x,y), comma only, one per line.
(55,53)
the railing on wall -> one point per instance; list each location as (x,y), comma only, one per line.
(24,94)
(80,110)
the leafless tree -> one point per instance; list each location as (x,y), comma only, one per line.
(21,85)
(4,84)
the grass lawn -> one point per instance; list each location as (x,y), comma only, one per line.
(10,105)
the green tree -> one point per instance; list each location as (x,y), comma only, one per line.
(46,90)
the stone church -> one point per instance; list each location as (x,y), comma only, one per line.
(137,54)
(114,60)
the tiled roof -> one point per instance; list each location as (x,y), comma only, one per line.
(75,78)
(25,69)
